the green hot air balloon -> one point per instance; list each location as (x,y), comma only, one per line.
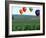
(30,9)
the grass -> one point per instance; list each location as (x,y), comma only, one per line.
(24,25)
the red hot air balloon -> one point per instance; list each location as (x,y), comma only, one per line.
(24,9)
(21,11)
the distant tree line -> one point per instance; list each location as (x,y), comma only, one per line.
(12,16)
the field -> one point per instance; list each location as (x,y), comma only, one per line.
(25,22)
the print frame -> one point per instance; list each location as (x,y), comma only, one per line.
(7,18)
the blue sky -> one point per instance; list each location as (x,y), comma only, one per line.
(15,10)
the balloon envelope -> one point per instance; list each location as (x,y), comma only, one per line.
(24,9)
(37,12)
(30,9)
(21,11)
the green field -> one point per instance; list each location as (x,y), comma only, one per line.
(23,23)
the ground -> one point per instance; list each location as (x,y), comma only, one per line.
(25,22)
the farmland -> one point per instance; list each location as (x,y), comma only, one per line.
(25,22)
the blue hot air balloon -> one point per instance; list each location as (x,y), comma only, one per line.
(37,12)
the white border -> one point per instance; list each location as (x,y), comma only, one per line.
(25,32)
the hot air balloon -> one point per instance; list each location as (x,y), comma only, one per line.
(30,9)
(37,12)
(21,11)
(24,9)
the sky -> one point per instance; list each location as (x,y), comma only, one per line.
(15,10)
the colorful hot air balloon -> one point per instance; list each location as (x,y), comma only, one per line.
(24,9)
(21,11)
(37,12)
(30,9)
